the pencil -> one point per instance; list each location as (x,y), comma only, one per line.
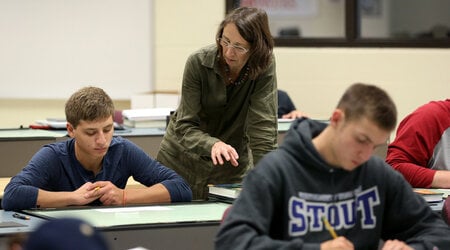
(21,216)
(329,227)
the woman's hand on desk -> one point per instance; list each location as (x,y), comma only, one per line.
(221,151)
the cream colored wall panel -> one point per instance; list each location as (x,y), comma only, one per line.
(412,76)
(50,48)
(187,22)
(172,60)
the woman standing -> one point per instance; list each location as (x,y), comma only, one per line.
(227,117)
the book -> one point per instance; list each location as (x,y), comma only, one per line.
(288,120)
(144,123)
(49,124)
(146,114)
(224,192)
(430,195)
(445,191)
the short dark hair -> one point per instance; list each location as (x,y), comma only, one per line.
(253,26)
(89,104)
(365,100)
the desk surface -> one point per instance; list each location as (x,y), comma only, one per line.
(189,226)
(116,217)
(10,225)
(14,134)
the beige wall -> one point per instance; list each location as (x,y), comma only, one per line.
(314,77)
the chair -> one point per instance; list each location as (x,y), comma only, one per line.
(225,213)
(118,117)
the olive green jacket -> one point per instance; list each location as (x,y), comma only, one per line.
(244,115)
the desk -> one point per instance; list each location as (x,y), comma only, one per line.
(173,226)
(24,226)
(17,146)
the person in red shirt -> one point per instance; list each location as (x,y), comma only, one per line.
(421,149)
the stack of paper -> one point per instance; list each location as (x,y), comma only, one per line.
(49,123)
(224,192)
(433,196)
(430,195)
(146,118)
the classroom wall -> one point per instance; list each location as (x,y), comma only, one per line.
(50,48)
(314,77)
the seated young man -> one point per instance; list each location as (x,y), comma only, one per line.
(93,166)
(327,171)
(421,147)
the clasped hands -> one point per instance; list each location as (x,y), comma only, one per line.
(221,151)
(107,192)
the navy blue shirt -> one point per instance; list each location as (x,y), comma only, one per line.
(55,168)
(285,104)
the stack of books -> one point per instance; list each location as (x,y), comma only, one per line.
(224,192)
(50,123)
(146,118)
(434,197)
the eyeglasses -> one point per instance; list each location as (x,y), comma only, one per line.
(237,48)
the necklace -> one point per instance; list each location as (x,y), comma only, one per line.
(241,79)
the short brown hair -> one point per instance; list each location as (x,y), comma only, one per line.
(89,104)
(364,100)
(253,26)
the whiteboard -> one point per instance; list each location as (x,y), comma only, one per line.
(50,48)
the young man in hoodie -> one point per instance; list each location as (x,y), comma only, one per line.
(326,172)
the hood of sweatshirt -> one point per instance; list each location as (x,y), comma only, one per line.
(319,180)
(299,138)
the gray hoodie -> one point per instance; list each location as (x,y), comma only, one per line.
(284,198)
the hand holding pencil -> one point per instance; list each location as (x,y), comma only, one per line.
(338,242)
(329,227)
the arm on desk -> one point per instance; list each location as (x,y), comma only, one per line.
(107,192)
(131,184)
(78,197)
(172,188)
